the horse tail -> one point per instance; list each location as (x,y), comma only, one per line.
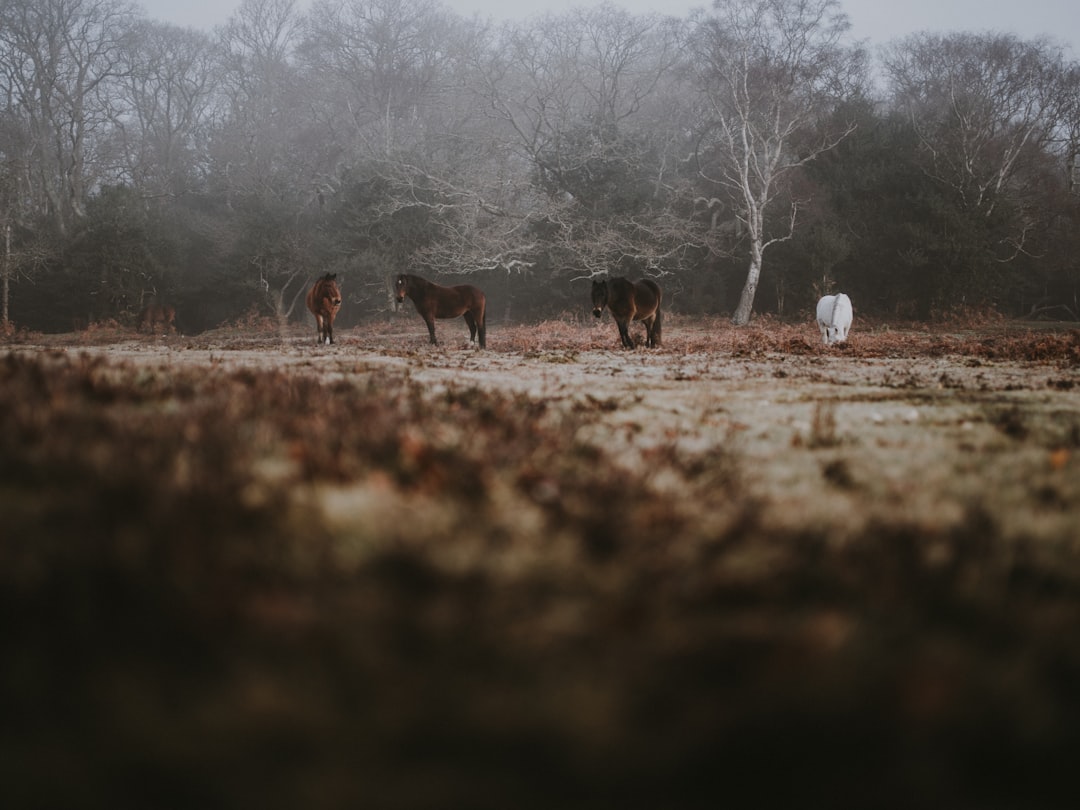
(481,326)
(658,318)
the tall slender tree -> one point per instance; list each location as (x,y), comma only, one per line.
(768,71)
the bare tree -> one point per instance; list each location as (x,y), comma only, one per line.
(393,88)
(1069,138)
(262,107)
(23,260)
(381,62)
(985,107)
(578,104)
(166,102)
(57,58)
(768,71)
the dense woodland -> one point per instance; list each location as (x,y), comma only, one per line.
(751,157)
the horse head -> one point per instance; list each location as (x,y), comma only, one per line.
(401,286)
(331,292)
(599,297)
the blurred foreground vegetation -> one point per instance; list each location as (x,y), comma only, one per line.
(255,587)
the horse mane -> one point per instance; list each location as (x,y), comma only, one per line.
(835,304)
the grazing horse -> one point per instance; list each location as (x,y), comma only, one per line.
(630,301)
(154,314)
(834,318)
(434,301)
(324,301)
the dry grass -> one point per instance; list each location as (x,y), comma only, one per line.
(999,340)
(994,339)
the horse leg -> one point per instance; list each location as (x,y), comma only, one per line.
(479,314)
(624,334)
(650,341)
(329,332)
(318,329)
(470,319)
(430,321)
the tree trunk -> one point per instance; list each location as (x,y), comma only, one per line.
(749,290)
(5,292)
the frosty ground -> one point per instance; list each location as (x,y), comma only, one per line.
(920,425)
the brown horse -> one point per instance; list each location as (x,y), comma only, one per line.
(434,301)
(154,314)
(630,301)
(324,301)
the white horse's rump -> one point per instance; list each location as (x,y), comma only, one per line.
(834,318)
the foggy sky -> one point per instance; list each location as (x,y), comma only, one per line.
(872,20)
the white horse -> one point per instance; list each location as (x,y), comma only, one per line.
(834,318)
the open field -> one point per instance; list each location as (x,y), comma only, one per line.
(241,570)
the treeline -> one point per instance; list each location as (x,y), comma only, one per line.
(751,156)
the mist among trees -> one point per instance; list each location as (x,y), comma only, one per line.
(750,157)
